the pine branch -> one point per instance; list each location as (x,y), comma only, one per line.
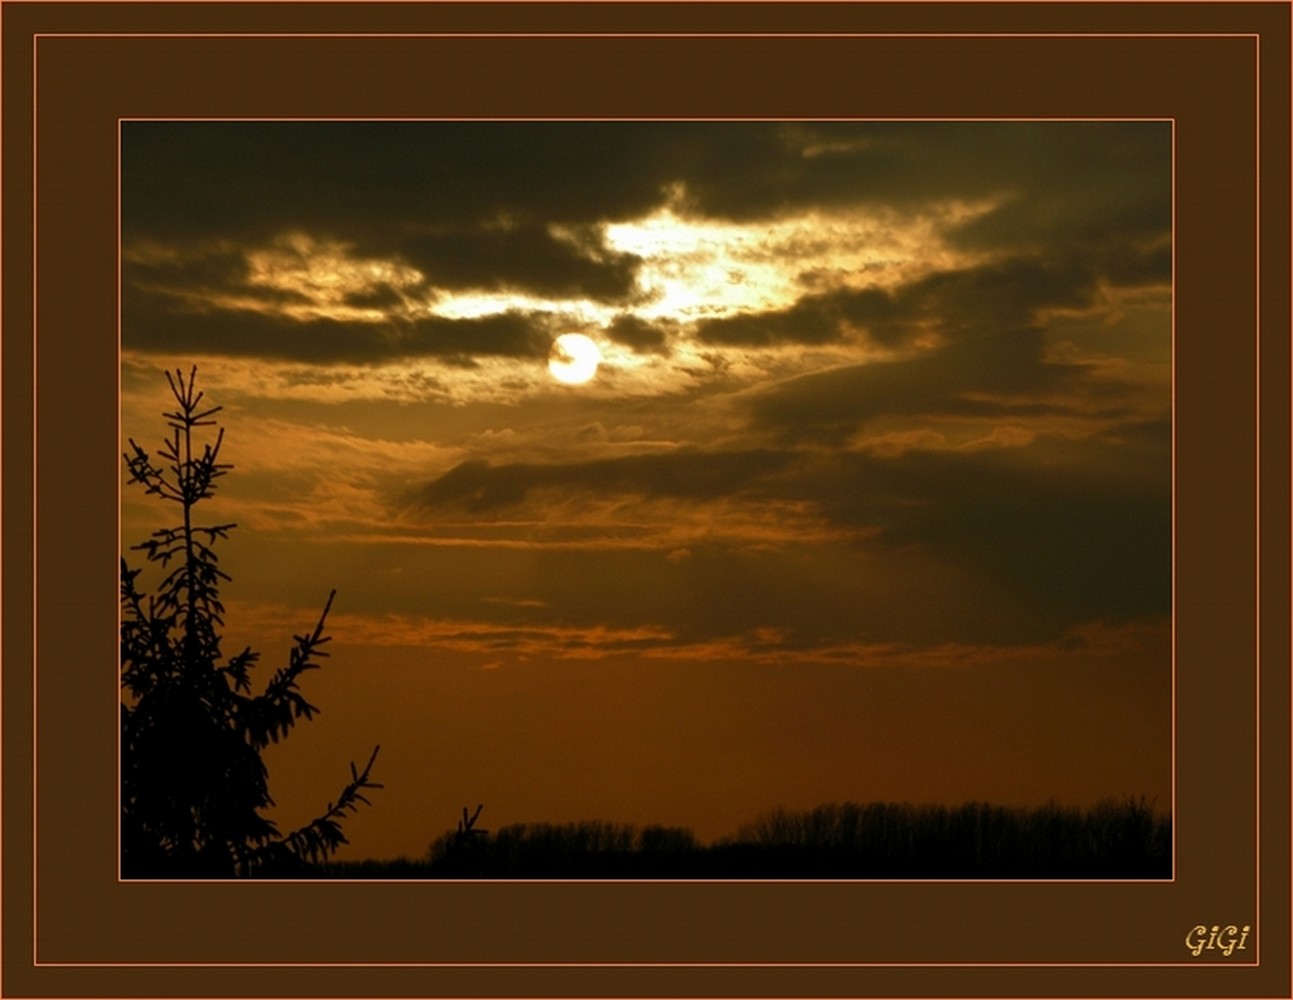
(322,836)
(269,716)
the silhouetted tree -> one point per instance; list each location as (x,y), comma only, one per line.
(192,780)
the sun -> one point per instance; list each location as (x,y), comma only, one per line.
(574,358)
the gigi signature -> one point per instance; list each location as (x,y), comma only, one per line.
(1226,939)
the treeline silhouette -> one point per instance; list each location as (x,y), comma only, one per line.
(1115,839)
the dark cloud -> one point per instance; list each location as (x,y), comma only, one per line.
(168,325)
(523,257)
(989,319)
(204,275)
(380,297)
(1074,530)
(472,203)
(1132,266)
(992,323)
(684,474)
(1092,178)
(377,183)
(636,333)
(1084,528)
(953,380)
(813,319)
(516,206)
(1086,186)
(1000,294)
(210,268)
(956,303)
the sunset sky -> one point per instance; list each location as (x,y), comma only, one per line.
(869,497)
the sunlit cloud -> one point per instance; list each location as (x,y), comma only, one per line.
(462,636)
(612,524)
(696,268)
(327,278)
(295,276)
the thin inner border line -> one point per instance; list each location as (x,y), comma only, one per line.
(649,35)
(649,965)
(673,881)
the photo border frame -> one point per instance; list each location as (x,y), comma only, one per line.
(1219,71)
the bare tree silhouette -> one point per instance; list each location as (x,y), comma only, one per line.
(192,780)
(467,832)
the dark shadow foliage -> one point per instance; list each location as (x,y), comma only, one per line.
(192,780)
(879,840)
(590,849)
(975,840)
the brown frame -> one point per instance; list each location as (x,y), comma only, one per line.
(71,72)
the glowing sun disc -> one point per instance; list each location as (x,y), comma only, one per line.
(574,358)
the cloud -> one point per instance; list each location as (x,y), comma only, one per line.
(1076,529)
(638,334)
(814,319)
(982,299)
(366,180)
(1080,528)
(208,267)
(684,473)
(528,257)
(380,184)
(1085,177)
(981,378)
(976,268)
(773,646)
(1082,184)
(181,326)
(992,355)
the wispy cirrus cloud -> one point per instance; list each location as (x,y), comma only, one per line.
(537,640)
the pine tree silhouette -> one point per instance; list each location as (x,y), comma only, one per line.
(192,780)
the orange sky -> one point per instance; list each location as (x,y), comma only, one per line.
(869,497)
